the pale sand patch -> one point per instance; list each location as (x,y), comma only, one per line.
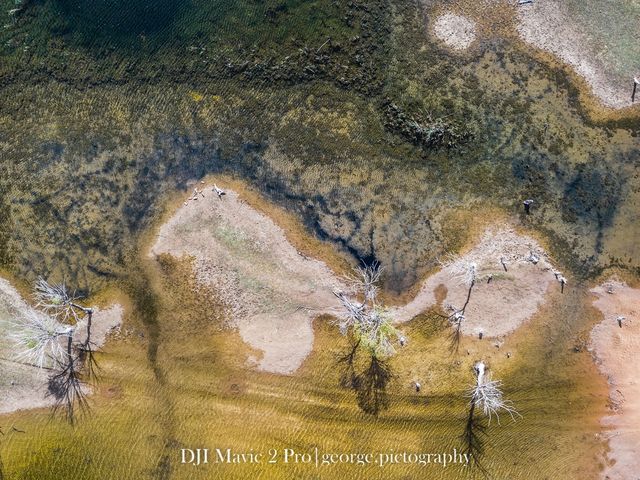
(104,321)
(498,307)
(616,352)
(23,386)
(546,24)
(271,291)
(455,31)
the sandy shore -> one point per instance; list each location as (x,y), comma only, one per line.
(501,305)
(23,386)
(548,25)
(456,31)
(615,351)
(271,291)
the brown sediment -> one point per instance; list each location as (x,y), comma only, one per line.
(615,343)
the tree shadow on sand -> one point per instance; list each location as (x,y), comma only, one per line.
(368,383)
(474,437)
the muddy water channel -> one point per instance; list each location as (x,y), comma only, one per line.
(99,137)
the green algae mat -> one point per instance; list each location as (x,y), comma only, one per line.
(367,141)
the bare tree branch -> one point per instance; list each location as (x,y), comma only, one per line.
(38,338)
(40,335)
(487,395)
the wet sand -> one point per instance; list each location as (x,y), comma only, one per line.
(615,350)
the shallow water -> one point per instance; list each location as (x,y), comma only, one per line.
(172,389)
(96,132)
(619,46)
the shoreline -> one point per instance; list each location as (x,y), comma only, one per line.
(272,292)
(547,31)
(548,26)
(24,386)
(614,349)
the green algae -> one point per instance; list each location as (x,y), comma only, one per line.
(95,134)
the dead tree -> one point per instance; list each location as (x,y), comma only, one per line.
(636,82)
(65,385)
(467,275)
(59,316)
(64,305)
(38,338)
(365,281)
(561,280)
(86,350)
(474,437)
(503,262)
(218,191)
(369,323)
(371,386)
(487,395)
(347,362)
(370,327)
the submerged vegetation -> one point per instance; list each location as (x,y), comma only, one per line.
(275,92)
(351,117)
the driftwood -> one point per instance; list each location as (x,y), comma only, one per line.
(218,191)
(561,280)
(503,262)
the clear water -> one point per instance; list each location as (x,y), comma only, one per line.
(108,107)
